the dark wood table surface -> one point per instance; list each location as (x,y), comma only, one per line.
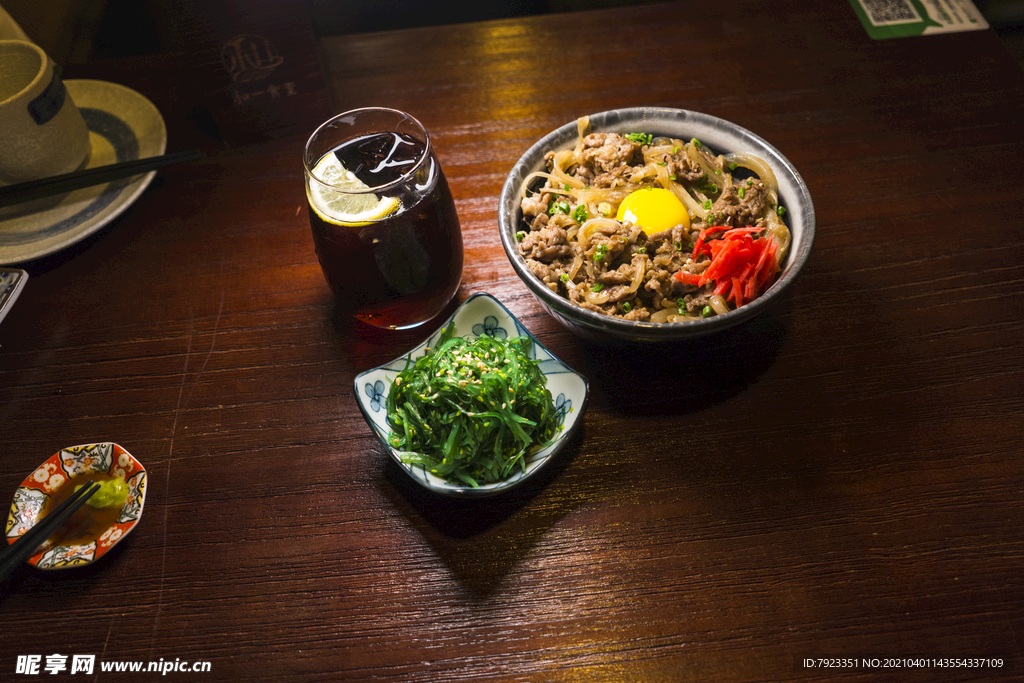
(842,477)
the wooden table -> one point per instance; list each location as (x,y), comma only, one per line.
(840,478)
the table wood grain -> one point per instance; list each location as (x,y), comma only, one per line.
(841,477)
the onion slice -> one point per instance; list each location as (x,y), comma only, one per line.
(639,270)
(755,164)
(718,304)
(591,226)
(714,175)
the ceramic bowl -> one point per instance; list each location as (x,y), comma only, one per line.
(480,314)
(722,137)
(58,471)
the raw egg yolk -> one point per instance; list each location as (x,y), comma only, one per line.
(653,209)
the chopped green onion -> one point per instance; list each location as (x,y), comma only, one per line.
(626,307)
(597,287)
(580,213)
(707,312)
(520,235)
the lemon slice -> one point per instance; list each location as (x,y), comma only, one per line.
(354,205)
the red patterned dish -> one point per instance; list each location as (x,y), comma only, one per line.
(48,478)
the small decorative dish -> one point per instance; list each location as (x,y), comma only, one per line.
(12,281)
(481,314)
(86,538)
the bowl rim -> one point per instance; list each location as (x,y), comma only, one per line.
(497,488)
(630,329)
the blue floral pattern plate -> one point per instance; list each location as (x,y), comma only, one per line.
(480,314)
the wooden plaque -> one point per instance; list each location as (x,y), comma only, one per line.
(256,63)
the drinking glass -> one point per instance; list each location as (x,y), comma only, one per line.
(384,223)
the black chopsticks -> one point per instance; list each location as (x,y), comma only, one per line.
(13,555)
(45,187)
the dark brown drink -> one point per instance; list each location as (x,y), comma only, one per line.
(401,269)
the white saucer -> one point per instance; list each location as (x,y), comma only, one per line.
(123,125)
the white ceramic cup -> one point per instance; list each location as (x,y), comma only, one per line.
(41,131)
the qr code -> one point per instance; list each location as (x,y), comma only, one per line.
(885,12)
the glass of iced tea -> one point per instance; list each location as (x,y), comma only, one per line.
(383,218)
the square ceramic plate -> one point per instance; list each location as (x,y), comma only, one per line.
(480,314)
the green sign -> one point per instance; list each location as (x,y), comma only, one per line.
(898,18)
